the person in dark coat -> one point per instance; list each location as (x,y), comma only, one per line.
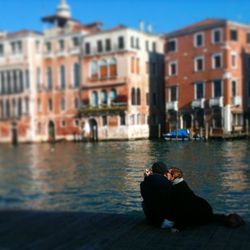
(155,191)
(188,209)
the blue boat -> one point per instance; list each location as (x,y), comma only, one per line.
(180,134)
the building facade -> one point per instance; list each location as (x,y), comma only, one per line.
(207,77)
(76,81)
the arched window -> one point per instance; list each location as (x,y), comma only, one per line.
(62,77)
(94,99)
(112,95)
(76,73)
(113,68)
(104,97)
(27,106)
(104,69)
(49,78)
(138,96)
(94,70)
(138,66)
(62,104)
(133,97)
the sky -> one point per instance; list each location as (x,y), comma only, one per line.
(163,15)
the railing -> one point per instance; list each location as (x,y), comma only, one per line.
(217,101)
(172,105)
(198,103)
(102,109)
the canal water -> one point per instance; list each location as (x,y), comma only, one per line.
(105,176)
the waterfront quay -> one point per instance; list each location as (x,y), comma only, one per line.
(86,230)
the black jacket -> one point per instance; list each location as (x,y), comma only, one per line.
(187,208)
(155,191)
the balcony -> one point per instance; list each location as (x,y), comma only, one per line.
(61,53)
(237,100)
(198,103)
(216,102)
(95,81)
(172,105)
(102,109)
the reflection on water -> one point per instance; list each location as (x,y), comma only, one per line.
(105,176)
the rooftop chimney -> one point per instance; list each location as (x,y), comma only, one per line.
(141,26)
(150,28)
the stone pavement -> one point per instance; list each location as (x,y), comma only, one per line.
(95,231)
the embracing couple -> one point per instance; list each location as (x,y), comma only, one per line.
(168,202)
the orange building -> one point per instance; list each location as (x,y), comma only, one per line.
(207,83)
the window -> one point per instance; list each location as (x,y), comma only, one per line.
(1,49)
(107,44)
(233,35)
(87,48)
(234,85)
(99,46)
(76,123)
(19,47)
(199,63)
(76,103)
(13,47)
(172,68)
(76,41)
(173,93)
(63,123)
(112,67)
(217,36)
(48,47)
(104,120)
(122,119)
(138,66)
(76,77)
(49,78)
(137,43)
(104,69)
(50,104)
(154,46)
(217,61)
(199,90)
(120,42)
(133,97)
(234,59)
(38,78)
(248,39)
(37,46)
(27,78)
(132,66)
(63,104)
(147,45)
(199,40)
(104,97)
(138,96)
(112,95)
(94,70)
(132,42)
(94,99)
(62,77)
(61,45)
(39,105)
(170,46)
(217,88)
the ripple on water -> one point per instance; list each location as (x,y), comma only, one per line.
(105,177)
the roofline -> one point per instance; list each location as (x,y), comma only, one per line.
(219,23)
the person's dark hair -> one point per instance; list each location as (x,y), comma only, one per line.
(159,167)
